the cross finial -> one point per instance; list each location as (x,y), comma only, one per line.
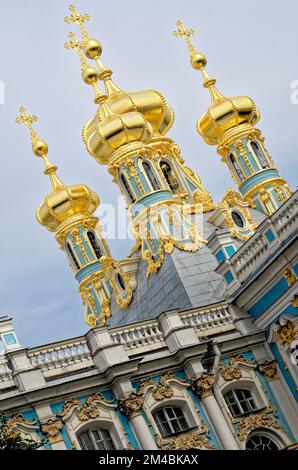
(28,120)
(185,33)
(77,45)
(79,19)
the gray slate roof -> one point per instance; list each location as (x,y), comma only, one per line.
(184,281)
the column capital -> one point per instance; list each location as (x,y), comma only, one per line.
(269,370)
(131,406)
(51,429)
(203,386)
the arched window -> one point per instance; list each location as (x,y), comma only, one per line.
(152,178)
(96,439)
(260,442)
(121,281)
(259,154)
(72,255)
(127,188)
(170,420)
(94,243)
(169,176)
(240,402)
(236,167)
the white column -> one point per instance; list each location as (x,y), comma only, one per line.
(143,433)
(219,423)
(204,389)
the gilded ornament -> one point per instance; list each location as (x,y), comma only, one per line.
(269,369)
(289,276)
(86,411)
(189,441)
(203,386)
(131,406)
(287,333)
(52,430)
(256,420)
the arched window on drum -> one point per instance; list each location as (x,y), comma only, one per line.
(170,177)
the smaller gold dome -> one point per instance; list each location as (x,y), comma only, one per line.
(224,114)
(108,131)
(65,201)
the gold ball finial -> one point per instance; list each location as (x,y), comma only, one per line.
(40,148)
(93,49)
(198,60)
(90,75)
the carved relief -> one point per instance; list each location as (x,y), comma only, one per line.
(269,369)
(84,412)
(256,420)
(287,333)
(189,441)
(203,386)
(52,430)
(131,406)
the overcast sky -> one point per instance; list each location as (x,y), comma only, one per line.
(252,49)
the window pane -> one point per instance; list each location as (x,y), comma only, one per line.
(86,442)
(259,442)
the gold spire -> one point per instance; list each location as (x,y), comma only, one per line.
(198,60)
(39,147)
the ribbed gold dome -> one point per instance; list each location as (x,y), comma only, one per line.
(150,103)
(224,114)
(107,131)
(65,201)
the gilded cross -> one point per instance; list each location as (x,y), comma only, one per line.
(77,45)
(185,33)
(28,120)
(79,19)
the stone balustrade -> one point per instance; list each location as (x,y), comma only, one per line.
(6,374)
(209,321)
(139,338)
(75,356)
(58,357)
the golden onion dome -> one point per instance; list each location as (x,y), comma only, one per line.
(150,103)
(224,113)
(64,201)
(107,131)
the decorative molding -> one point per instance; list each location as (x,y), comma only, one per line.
(256,420)
(189,441)
(84,412)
